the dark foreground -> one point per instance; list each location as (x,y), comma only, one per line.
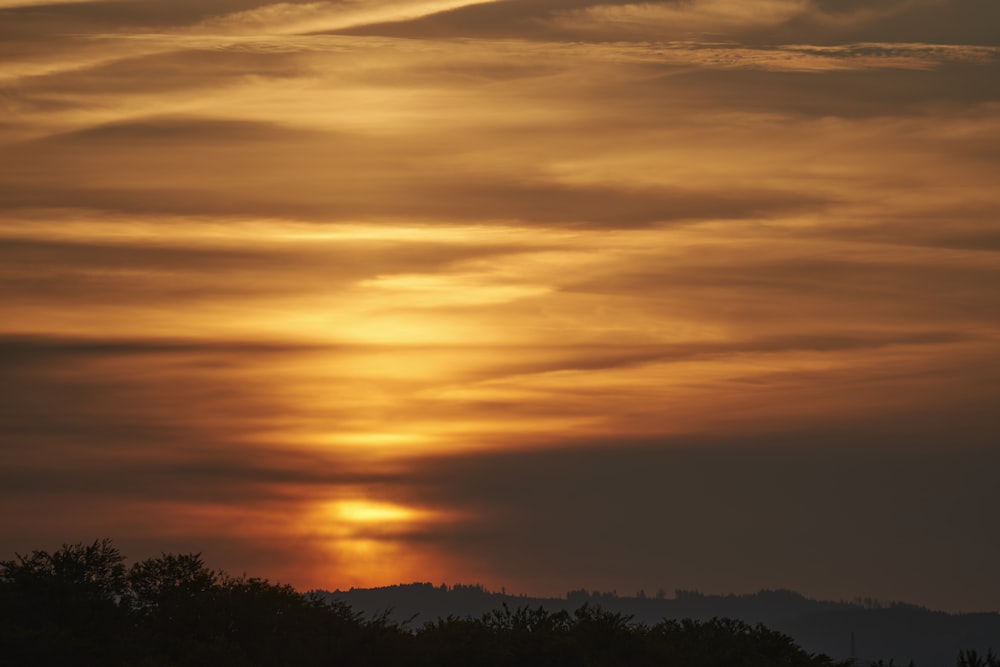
(81,605)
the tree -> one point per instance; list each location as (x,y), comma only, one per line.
(973,659)
(58,607)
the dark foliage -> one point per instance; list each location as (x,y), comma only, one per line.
(974,659)
(81,605)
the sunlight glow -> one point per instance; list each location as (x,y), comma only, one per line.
(372,512)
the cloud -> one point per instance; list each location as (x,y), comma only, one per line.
(870,289)
(122,15)
(110,430)
(777,21)
(769,23)
(186,436)
(520,19)
(476,201)
(132,273)
(928,21)
(120,71)
(14,4)
(673,20)
(120,177)
(170,130)
(291,18)
(730,515)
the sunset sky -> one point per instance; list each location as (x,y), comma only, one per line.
(541,294)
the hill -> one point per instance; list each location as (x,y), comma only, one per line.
(896,631)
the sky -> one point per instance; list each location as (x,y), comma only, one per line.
(536,294)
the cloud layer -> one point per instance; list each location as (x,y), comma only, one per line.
(353,293)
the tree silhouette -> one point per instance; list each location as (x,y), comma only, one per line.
(60,606)
(974,659)
(80,605)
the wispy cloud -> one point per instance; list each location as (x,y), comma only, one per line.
(13,4)
(701,18)
(291,18)
(763,23)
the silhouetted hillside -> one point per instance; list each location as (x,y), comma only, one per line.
(82,606)
(898,632)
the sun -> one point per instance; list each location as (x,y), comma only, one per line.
(371,512)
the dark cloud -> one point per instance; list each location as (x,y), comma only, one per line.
(604,357)
(854,93)
(603,205)
(465,202)
(823,511)
(171,130)
(135,272)
(848,277)
(935,22)
(149,421)
(40,351)
(806,288)
(522,19)
(159,73)
(271,477)
(822,22)
(104,15)
(960,228)
(357,179)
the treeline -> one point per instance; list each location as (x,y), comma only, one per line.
(81,605)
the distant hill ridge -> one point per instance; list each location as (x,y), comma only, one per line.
(889,631)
